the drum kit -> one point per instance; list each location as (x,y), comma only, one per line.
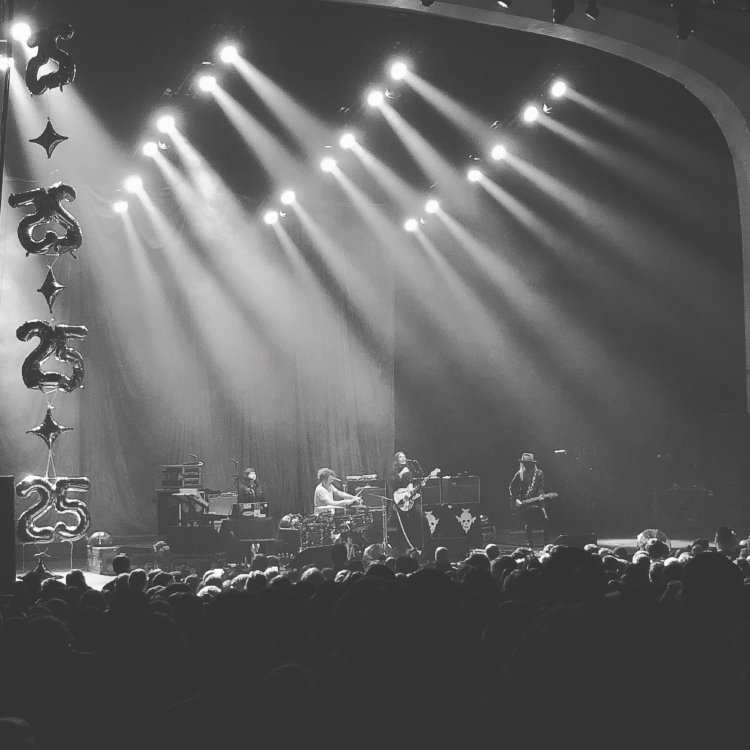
(352,526)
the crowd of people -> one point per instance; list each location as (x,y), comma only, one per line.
(588,645)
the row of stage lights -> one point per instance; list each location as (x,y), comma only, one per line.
(228,54)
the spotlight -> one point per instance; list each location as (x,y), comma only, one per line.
(120,207)
(288,197)
(474,175)
(375,98)
(561,9)
(498,152)
(5,62)
(592,9)
(411,225)
(432,206)
(150,149)
(166,124)
(207,83)
(271,217)
(558,89)
(133,184)
(531,113)
(21,32)
(399,70)
(505,3)
(228,53)
(347,140)
(328,164)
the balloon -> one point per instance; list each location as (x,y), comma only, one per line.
(50,288)
(52,340)
(49,430)
(48,209)
(46,40)
(49,140)
(52,494)
(100,539)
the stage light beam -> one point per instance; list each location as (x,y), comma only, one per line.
(432,206)
(399,70)
(347,141)
(228,54)
(558,89)
(150,149)
(328,164)
(474,175)
(288,197)
(375,98)
(120,207)
(498,152)
(531,114)
(411,225)
(271,217)
(21,32)
(6,62)
(133,184)
(208,83)
(166,124)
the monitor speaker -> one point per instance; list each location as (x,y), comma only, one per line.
(7,533)
(576,540)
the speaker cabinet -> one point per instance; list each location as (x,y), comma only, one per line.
(167,511)
(432,492)
(463,490)
(460,522)
(252,528)
(372,491)
(7,533)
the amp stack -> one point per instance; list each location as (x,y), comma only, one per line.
(451,507)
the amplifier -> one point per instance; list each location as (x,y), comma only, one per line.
(461,490)
(432,492)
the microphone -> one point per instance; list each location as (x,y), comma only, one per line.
(235,462)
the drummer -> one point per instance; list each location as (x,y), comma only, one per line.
(327,497)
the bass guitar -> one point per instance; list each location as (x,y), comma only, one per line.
(404,497)
(537,502)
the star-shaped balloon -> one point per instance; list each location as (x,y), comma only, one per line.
(50,289)
(49,430)
(49,140)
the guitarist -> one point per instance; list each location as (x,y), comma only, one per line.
(412,530)
(528,482)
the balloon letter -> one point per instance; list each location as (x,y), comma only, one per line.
(53,493)
(46,40)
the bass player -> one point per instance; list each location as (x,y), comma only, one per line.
(528,483)
(412,529)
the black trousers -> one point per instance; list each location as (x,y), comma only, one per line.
(411,529)
(531,519)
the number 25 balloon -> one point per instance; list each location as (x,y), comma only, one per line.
(48,209)
(46,40)
(53,494)
(52,340)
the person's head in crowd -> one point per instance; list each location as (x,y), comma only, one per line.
(621,553)
(260,562)
(273,561)
(406,564)
(75,579)
(655,572)
(524,585)
(390,562)
(611,566)
(592,548)
(442,559)
(492,551)
(256,581)
(120,564)
(94,599)
(176,575)
(151,575)
(641,557)
(239,582)
(281,582)
(192,581)
(673,571)
(163,579)
(657,549)
(58,608)
(357,566)
(137,579)
(727,542)
(342,576)
(328,574)
(572,575)
(214,580)
(271,573)
(478,560)
(521,553)
(210,592)
(312,575)
(176,588)
(380,570)
(700,545)
(33,584)
(713,591)
(501,567)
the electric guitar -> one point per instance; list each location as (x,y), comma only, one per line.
(404,497)
(537,502)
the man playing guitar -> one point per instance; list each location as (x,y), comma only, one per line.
(527,498)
